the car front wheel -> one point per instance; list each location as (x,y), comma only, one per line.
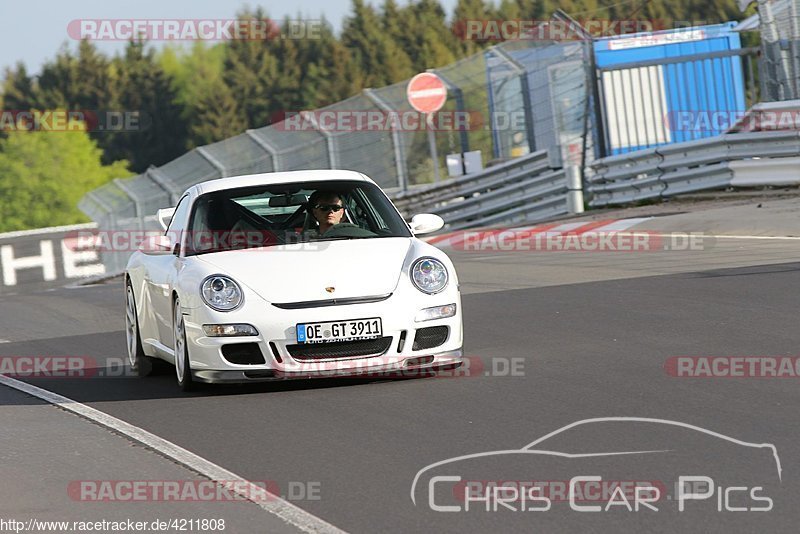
(182,367)
(138,362)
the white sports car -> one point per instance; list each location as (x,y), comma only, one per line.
(291,275)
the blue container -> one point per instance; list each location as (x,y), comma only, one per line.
(664,103)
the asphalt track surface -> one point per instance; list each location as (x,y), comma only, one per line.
(589,335)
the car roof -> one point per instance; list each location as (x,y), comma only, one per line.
(265,178)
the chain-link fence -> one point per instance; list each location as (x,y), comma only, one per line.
(780,69)
(778,23)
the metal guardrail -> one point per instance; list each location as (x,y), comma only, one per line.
(532,200)
(427,196)
(688,167)
(526,189)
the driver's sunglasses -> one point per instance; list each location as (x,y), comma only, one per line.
(329,207)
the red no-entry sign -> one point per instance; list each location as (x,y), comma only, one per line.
(426,92)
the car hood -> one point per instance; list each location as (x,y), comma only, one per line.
(305,271)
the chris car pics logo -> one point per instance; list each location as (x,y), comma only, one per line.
(503,481)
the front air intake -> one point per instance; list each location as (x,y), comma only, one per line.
(340,349)
(243,354)
(430,337)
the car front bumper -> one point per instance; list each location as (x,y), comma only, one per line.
(402,368)
(276,328)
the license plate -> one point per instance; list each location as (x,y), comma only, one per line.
(331,331)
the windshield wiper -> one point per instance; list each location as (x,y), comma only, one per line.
(343,237)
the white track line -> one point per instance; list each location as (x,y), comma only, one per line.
(715,236)
(777,237)
(288,512)
(567,227)
(621,224)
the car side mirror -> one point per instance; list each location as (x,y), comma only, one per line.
(425,223)
(164,217)
(158,245)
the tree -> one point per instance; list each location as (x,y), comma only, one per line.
(207,105)
(284,89)
(79,83)
(465,12)
(331,73)
(381,60)
(250,71)
(144,88)
(434,45)
(215,115)
(73,82)
(18,89)
(43,175)
(193,72)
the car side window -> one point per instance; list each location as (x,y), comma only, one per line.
(178,221)
(177,225)
(372,220)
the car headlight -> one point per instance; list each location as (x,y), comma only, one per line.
(221,293)
(429,275)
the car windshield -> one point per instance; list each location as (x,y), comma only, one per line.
(269,215)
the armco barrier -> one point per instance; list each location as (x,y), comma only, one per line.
(761,172)
(420,197)
(40,259)
(522,190)
(532,198)
(712,163)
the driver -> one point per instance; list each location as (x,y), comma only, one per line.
(327,209)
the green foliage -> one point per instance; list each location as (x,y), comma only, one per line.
(217,115)
(44,174)
(209,108)
(18,89)
(250,70)
(381,59)
(420,30)
(144,87)
(193,70)
(75,82)
(331,74)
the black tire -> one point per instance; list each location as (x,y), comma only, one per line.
(138,362)
(182,368)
